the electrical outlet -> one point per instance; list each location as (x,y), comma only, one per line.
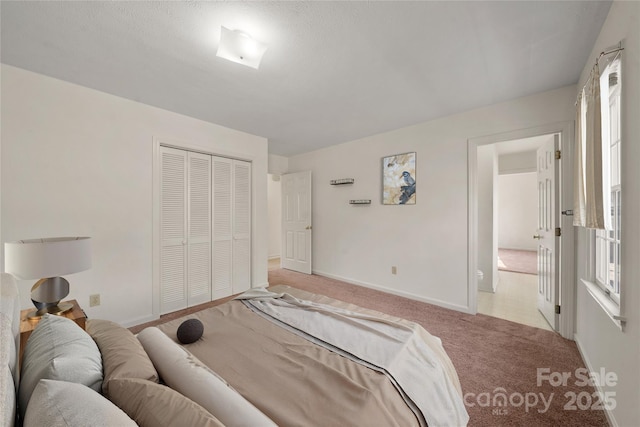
(394,269)
(94,300)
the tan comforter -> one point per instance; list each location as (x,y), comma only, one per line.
(292,381)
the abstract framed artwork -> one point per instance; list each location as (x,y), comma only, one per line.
(399,179)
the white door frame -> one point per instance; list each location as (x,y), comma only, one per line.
(567,257)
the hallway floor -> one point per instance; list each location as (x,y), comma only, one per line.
(515,300)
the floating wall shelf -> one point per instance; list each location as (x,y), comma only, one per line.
(360,202)
(342,181)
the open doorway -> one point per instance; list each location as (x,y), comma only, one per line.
(274,212)
(485,279)
(517,293)
(507,221)
(290,228)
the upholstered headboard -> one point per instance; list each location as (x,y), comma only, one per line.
(9,342)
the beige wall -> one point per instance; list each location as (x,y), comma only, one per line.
(274,194)
(487,217)
(427,241)
(76,161)
(518,211)
(601,342)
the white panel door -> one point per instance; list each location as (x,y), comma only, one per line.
(199,226)
(296,222)
(241,226)
(222,247)
(173,230)
(548,242)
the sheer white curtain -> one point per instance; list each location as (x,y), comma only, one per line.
(591,207)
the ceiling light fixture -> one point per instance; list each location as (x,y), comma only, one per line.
(239,47)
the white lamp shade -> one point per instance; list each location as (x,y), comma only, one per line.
(239,47)
(50,257)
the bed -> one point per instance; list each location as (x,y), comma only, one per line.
(261,359)
(258,364)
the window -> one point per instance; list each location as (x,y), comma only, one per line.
(607,242)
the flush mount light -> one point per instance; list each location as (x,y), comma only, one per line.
(239,47)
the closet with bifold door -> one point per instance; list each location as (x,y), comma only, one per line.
(205,228)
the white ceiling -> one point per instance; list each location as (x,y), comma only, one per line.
(521,145)
(333,72)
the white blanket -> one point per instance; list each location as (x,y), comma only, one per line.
(409,355)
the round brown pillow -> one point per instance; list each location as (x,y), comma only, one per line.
(190,331)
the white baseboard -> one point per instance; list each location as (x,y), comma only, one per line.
(464,309)
(587,363)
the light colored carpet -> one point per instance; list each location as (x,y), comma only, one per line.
(488,353)
(518,261)
(492,356)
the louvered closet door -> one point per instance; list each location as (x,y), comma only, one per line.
(173,230)
(199,226)
(241,226)
(222,227)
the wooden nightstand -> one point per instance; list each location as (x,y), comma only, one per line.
(28,325)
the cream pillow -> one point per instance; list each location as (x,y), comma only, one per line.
(10,307)
(63,404)
(8,353)
(122,353)
(186,374)
(7,397)
(154,405)
(7,365)
(58,349)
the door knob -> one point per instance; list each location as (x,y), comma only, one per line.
(537,236)
(308,227)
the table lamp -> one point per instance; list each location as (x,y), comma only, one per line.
(47,259)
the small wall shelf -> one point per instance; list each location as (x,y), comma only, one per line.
(342,181)
(360,202)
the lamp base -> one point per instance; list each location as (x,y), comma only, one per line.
(46,295)
(57,310)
